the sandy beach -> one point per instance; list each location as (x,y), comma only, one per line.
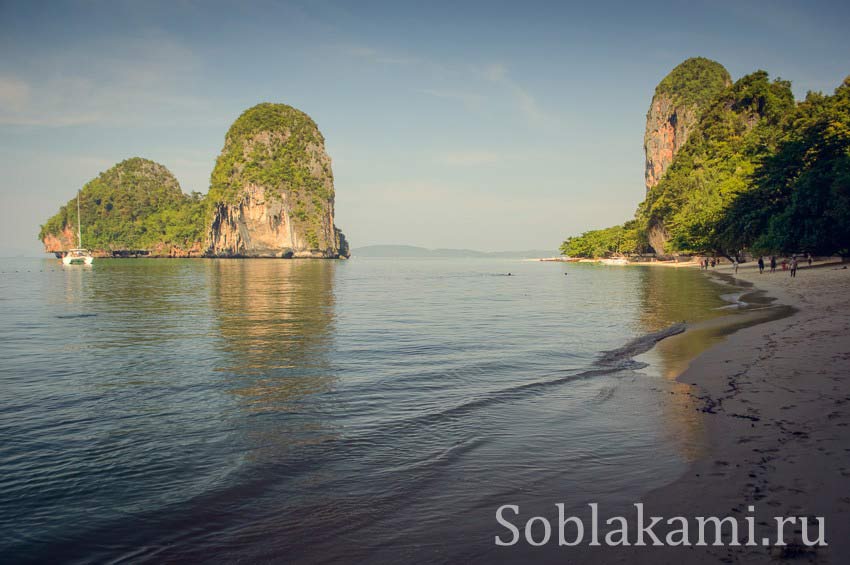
(776,403)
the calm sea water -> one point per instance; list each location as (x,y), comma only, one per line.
(312,411)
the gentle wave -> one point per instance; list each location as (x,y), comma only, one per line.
(615,360)
(622,355)
(245,410)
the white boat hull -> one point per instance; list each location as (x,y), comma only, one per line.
(77,257)
(77,261)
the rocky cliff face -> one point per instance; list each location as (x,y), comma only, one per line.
(63,239)
(667,128)
(271,192)
(679,101)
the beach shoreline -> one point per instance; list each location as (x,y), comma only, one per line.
(775,401)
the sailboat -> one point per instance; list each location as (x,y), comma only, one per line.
(78,256)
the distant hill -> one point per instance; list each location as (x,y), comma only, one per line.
(413,251)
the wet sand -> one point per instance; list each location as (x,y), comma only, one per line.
(776,405)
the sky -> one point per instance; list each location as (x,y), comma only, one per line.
(485,125)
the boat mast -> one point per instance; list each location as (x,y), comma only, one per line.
(79,232)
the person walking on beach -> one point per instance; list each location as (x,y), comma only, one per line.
(761,264)
(794,266)
(810,258)
(784,265)
(773,263)
(735,264)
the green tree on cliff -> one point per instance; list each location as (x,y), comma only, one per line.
(758,172)
(137,204)
(715,166)
(800,197)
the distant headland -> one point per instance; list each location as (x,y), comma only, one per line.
(407,251)
(271,195)
(734,168)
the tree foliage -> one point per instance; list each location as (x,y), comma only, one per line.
(275,146)
(759,171)
(800,195)
(136,204)
(695,82)
(715,166)
(625,239)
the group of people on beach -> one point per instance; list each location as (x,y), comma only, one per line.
(786,265)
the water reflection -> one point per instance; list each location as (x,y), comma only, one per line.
(674,295)
(275,320)
(669,296)
(322,410)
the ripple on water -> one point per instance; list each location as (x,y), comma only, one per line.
(186,409)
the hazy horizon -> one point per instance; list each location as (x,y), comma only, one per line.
(39,253)
(482,126)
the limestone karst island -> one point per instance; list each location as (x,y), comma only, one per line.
(271,195)
(735,168)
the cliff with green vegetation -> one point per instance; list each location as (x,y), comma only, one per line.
(715,167)
(271,195)
(135,205)
(678,103)
(759,172)
(271,192)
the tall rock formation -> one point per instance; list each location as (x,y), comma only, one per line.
(271,192)
(679,101)
(135,205)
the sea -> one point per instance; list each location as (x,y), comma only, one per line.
(374,410)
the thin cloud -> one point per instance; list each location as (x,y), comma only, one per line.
(137,80)
(469,99)
(377,56)
(470,158)
(14,93)
(495,74)
(526,103)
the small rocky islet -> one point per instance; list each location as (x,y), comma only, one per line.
(271,195)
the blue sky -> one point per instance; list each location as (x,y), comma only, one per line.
(488,125)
